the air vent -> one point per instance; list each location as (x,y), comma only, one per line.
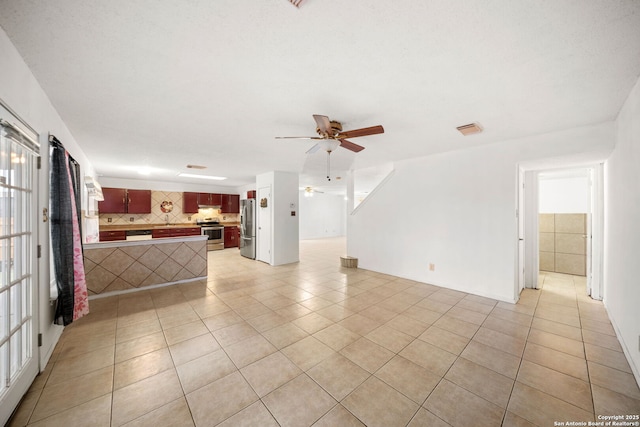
(469,129)
(196,167)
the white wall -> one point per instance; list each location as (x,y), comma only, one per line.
(622,230)
(564,195)
(21,92)
(284,226)
(323,215)
(242,190)
(457,211)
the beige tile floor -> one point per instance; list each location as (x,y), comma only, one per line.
(315,344)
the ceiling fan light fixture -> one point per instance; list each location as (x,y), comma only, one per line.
(329,145)
(469,129)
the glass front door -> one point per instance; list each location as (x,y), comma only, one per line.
(18,340)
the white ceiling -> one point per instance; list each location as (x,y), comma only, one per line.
(163,84)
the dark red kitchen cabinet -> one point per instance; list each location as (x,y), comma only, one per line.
(230,203)
(216,199)
(115,201)
(139,201)
(110,236)
(189,202)
(230,237)
(121,200)
(209,199)
(175,232)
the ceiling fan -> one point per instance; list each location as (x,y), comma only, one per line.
(308,191)
(331,137)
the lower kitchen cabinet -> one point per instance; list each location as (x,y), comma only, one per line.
(110,236)
(175,232)
(231,237)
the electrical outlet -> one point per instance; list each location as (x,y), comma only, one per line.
(432,267)
(108,219)
(130,219)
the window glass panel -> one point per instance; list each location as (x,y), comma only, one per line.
(15,357)
(5,261)
(4,161)
(14,303)
(4,325)
(4,360)
(26,342)
(26,299)
(10,264)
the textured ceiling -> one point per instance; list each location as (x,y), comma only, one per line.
(163,84)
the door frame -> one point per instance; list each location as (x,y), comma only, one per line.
(20,383)
(528,179)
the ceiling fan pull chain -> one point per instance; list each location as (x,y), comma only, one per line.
(328,165)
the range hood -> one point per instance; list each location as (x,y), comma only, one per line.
(93,188)
(209,206)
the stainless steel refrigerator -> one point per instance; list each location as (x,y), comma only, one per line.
(248,228)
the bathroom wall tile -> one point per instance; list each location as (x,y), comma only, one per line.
(546,223)
(547,261)
(568,243)
(570,264)
(570,223)
(546,242)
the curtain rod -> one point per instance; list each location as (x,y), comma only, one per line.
(55,141)
(36,145)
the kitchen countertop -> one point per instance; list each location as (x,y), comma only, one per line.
(126,227)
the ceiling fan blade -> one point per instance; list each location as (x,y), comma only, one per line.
(314,148)
(298,137)
(323,122)
(351,146)
(373,130)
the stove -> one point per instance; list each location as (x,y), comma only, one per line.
(214,231)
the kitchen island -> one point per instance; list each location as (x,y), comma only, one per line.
(126,266)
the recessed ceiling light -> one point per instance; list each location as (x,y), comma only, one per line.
(191,175)
(196,167)
(470,129)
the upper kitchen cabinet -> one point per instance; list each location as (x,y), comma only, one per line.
(120,200)
(189,202)
(209,199)
(230,203)
(139,201)
(115,200)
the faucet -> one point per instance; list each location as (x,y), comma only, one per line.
(166,218)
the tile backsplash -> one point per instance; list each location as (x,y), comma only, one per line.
(158,217)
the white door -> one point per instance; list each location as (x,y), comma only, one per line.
(521,233)
(595,233)
(263,232)
(18,267)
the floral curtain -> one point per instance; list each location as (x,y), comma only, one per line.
(66,239)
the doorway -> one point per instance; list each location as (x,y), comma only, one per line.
(561,226)
(18,264)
